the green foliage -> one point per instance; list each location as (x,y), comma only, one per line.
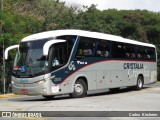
(16,26)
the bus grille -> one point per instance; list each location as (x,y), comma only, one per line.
(25,85)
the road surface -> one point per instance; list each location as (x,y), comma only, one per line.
(147,99)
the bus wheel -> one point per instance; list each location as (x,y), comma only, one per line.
(139,85)
(114,90)
(80,89)
(49,97)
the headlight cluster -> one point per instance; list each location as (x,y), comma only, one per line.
(41,82)
(12,82)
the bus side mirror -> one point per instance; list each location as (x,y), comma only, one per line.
(9,48)
(48,44)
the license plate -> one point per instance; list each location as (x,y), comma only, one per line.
(24,91)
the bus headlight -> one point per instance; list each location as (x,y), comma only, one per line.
(12,82)
(41,82)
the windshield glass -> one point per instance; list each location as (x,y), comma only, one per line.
(30,61)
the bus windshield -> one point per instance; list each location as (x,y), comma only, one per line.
(29,60)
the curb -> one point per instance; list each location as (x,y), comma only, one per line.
(9,95)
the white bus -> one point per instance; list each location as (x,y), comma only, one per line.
(76,61)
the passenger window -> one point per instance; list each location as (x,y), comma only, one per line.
(151,54)
(86,48)
(118,50)
(142,53)
(103,49)
(58,56)
(61,51)
(129,51)
(70,41)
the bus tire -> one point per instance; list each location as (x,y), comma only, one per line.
(80,89)
(114,90)
(48,97)
(140,83)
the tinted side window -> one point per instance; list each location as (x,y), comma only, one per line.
(118,50)
(57,56)
(151,54)
(103,48)
(86,48)
(141,53)
(70,40)
(129,51)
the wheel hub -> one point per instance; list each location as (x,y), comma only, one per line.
(140,83)
(78,88)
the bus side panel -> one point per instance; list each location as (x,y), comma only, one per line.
(93,80)
(153,72)
(99,75)
(146,72)
(128,80)
(116,79)
(108,78)
(103,79)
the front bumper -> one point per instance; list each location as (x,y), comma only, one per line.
(32,88)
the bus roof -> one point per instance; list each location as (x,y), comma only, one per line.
(53,34)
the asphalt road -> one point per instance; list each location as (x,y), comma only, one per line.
(147,99)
